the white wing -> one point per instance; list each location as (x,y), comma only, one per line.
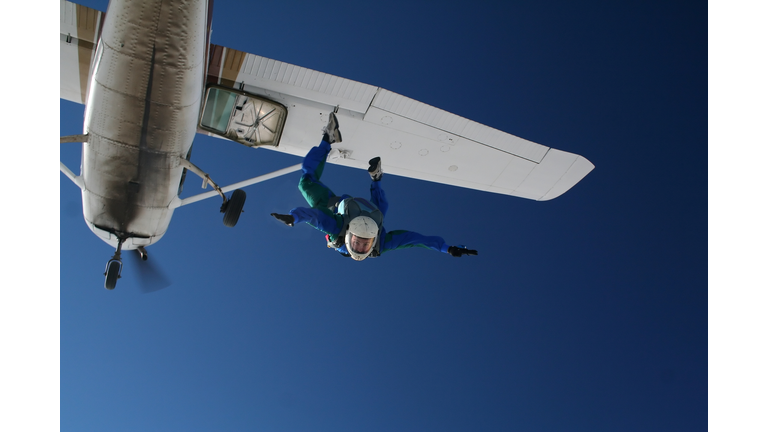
(413,139)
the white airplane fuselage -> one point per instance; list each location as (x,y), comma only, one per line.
(141,116)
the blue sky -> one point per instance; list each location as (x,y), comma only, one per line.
(585,313)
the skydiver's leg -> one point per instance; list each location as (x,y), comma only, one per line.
(315,192)
(314,161)
(374,169)
(378,197)
(331,132)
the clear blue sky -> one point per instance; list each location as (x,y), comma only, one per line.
(585,313)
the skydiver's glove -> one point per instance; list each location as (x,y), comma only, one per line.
(457,251)
(286,219)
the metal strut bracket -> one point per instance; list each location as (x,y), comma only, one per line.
(120,241)
(206,178)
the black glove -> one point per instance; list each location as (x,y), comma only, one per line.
(286,219)
(459,251)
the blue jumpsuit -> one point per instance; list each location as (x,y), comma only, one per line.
(323,219)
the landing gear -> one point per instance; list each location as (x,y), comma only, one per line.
(233,207)
(142,253)
(114,268)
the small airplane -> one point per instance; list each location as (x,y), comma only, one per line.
(150,80)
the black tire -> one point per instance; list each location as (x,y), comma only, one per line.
(234,208)
(113,273)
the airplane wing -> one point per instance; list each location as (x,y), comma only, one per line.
(414,139)
(80,29)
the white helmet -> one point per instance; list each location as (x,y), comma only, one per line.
(361,237)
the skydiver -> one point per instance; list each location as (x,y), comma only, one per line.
(353,226)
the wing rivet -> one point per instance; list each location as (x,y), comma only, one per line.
(453,168)
(446,139)
(395,145)
(423,152)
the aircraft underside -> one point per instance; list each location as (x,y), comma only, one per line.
(143,103)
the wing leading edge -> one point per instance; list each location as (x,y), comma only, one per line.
(414,139)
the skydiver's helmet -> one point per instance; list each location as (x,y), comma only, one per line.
(361,237)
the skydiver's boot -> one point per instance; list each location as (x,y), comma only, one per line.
(331,133)
(375,169)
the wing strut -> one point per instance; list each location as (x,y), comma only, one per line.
(76,179)
(195,198)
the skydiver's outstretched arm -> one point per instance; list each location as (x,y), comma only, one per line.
(401,239)
(316,218)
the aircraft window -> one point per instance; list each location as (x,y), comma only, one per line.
(242,117)
(218,109)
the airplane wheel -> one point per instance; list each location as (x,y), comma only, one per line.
(113,273)
(234,208)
